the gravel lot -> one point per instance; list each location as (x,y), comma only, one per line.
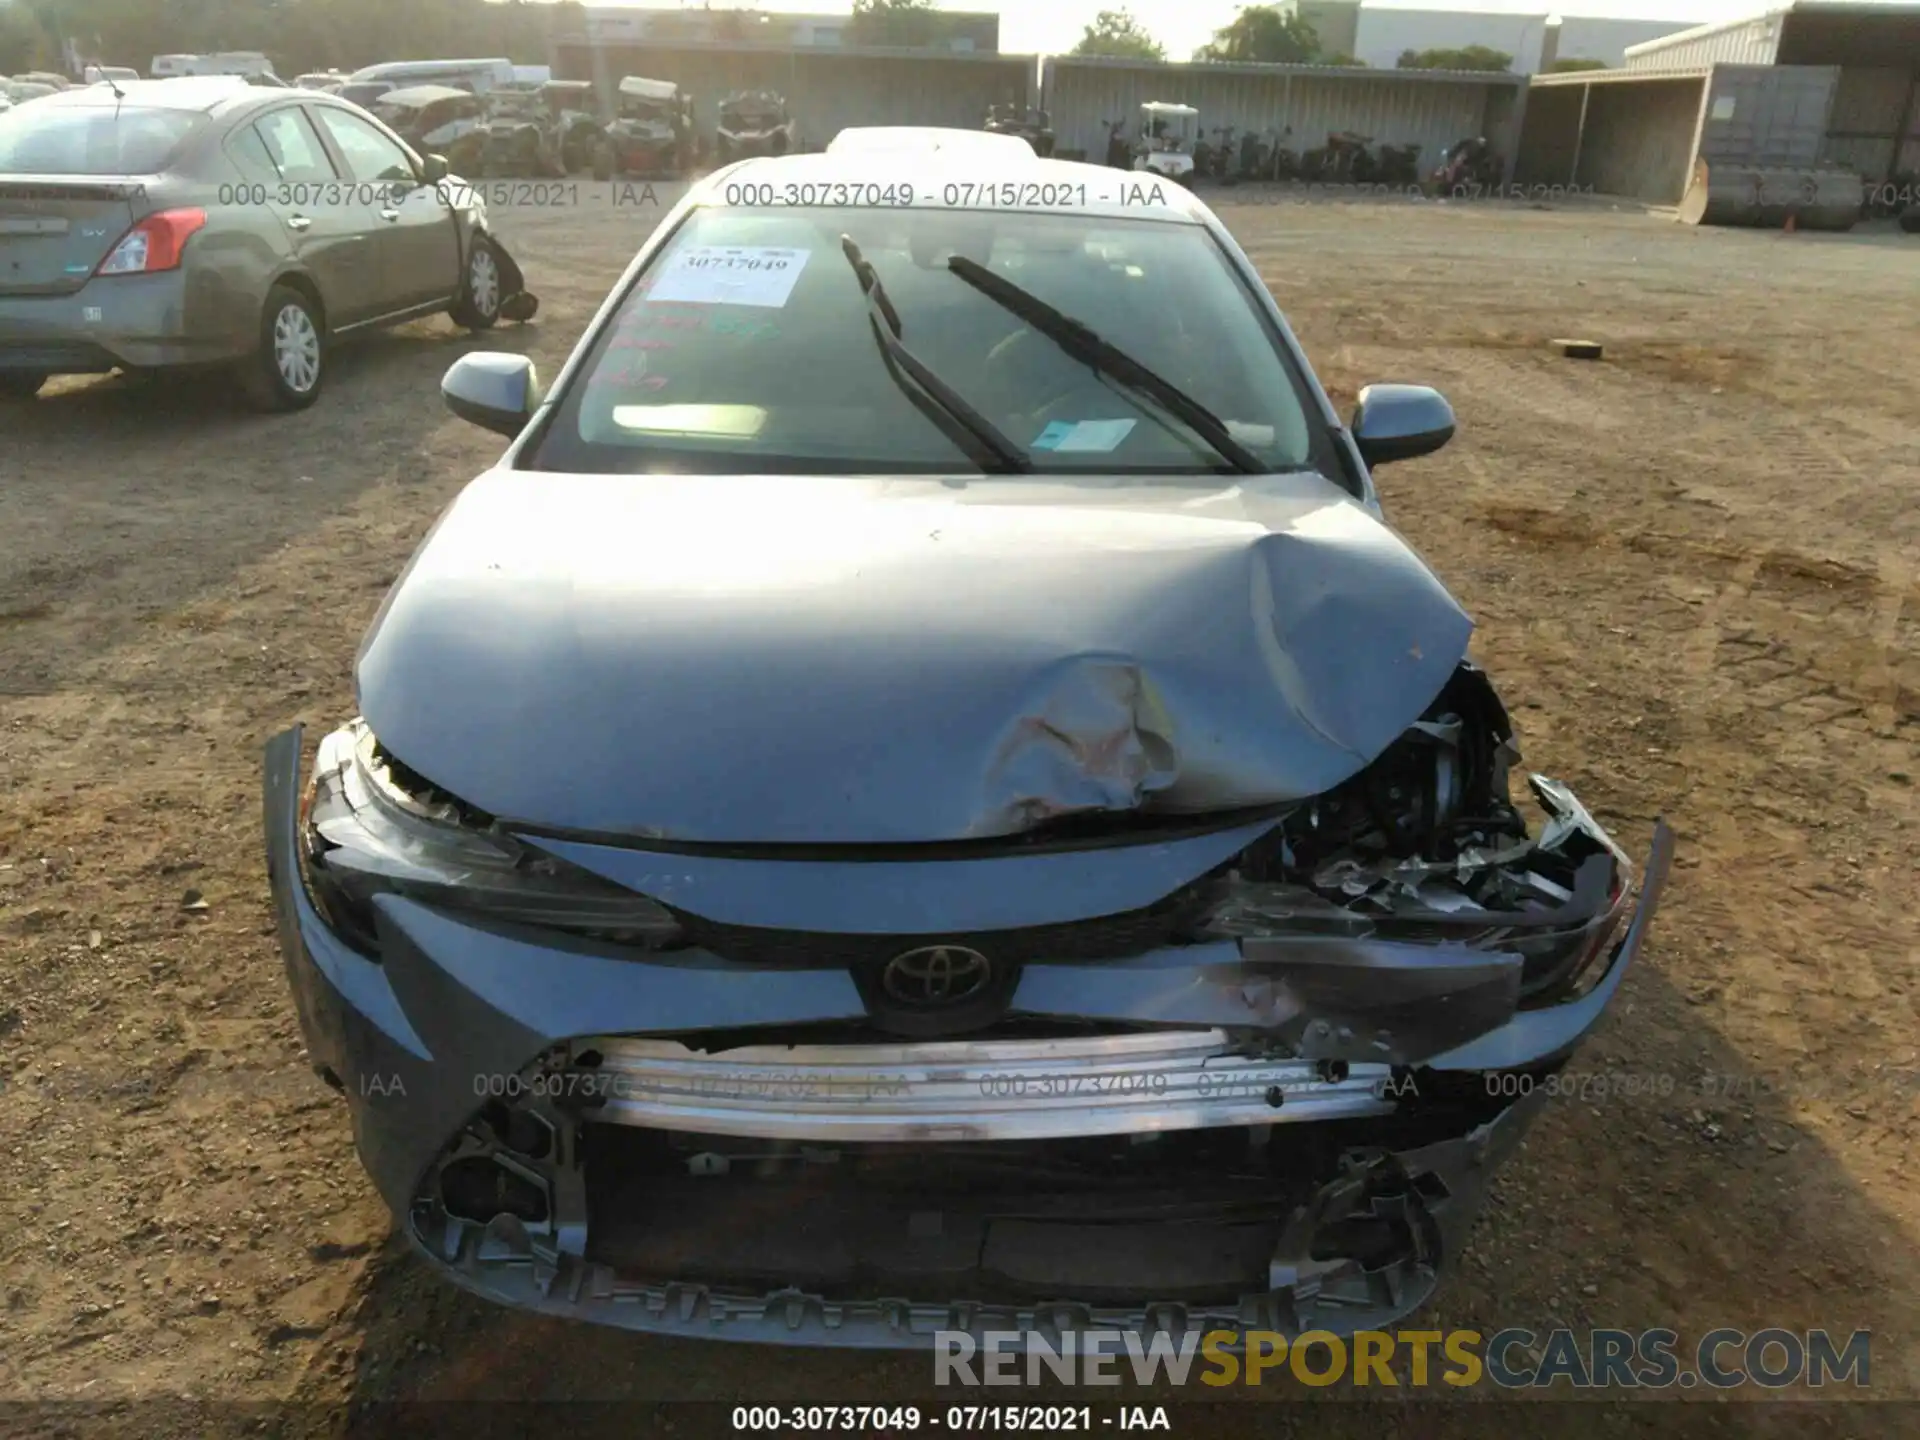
(1694,568)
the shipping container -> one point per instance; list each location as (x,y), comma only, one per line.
(1869,107)
(1768,116)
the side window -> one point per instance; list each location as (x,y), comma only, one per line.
(294,149)
(247,150)
(371,156)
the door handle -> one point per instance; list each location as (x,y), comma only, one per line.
(389,215)
(299,222)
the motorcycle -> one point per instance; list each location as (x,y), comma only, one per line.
(1399,165)
(1471,167)
(1253,156)
(1334,163)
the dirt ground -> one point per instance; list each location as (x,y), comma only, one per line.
(1694,568)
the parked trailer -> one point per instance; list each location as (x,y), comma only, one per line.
(1817,199)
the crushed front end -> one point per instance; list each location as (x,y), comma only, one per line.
(1243,1072)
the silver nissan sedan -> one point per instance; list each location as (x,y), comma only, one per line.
(205,222)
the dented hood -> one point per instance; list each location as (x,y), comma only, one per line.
(841,660)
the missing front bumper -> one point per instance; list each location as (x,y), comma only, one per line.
(455,1013)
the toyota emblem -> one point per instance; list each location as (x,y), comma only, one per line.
(936,976)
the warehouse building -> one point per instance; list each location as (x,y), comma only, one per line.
(1804,86)
(1300,105)
(1378,34)
(1872,126)
(976,32)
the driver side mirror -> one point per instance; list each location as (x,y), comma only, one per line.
(493,389)
(1400,422)
(433,169)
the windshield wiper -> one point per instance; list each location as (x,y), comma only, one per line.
(940,402)
(1084,344)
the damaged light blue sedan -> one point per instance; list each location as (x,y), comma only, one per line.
(921,794)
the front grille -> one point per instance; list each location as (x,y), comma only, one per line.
(1108,937)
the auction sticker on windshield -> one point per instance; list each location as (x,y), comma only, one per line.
(761,275)
(1099,436)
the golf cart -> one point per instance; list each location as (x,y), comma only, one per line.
(752,122)
(1031,125)
(437,120)
(525,134)
(581,134)
(1166,140)
(652,131)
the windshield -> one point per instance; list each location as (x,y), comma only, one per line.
(747,347)
(517,105)
(91,139)
(364,92)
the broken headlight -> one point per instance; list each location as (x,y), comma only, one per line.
(1425,845)
(370,826)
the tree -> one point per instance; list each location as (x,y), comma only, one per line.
(24,45)
(1261,34)
(905,23)
(1117,33)
(1349,62)
(1567,67)
(1470,57)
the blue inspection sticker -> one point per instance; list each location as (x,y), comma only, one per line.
(1065,437)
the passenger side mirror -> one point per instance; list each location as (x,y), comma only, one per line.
(1399,422)
(492,389)
(433,169)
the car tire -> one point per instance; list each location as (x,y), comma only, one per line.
(478,305)
(22,384)
(289,368)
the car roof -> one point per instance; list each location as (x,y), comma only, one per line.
(894,139)
(424,95)
(974,178)
(182,92)
(648,89)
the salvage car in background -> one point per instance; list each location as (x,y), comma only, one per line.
(921,793)
(19,92)
(437,120)
(212,223)
(752,122)
(652,132)
(1032,125)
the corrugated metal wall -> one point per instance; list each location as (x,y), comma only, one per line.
(1433,114)
(826,91)
(1639,138)
(1863,132)
(1909,161)
(1744,42)
(1549,140)
(1768,115)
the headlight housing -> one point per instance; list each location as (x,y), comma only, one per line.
(370,827)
